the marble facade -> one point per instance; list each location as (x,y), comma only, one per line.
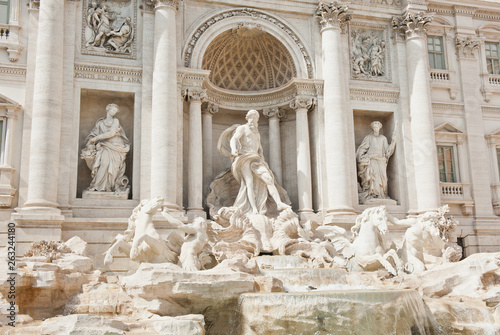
(187,70)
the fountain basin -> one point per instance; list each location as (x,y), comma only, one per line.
(335,312)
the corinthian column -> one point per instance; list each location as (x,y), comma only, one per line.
(195,160)
(274,115)
(304,183)
(164,104)
(47,102)
(208,168)
(412,28)
(331,17)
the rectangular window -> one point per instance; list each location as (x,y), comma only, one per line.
(4,11)
(446,161)
(498,158)
(492,57)
(436,52)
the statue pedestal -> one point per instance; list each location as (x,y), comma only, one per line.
(379,202)
(118,195)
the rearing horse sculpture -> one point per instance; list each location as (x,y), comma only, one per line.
(369,251)
(141,241)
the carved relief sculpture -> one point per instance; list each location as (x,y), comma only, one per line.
(367,54)
(107,29)
(372,157)
(105,152)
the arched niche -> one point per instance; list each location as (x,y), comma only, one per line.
(211,26)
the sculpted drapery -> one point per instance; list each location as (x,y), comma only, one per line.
(242,144)
(372,157)
(105,153)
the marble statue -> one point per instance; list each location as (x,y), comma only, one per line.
(372,157)
(242,144)
(195,241)
(105,153)
(428,230)
(370,250)
(121,38)
(141,241)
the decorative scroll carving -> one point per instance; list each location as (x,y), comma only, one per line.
(242,13)
(332,15)
(211,108)
(467,46)
(108,28)
(411,24)
(302,102)
(274,112)
(161,3)
(195,94)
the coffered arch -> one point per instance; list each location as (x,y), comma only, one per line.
(210,27)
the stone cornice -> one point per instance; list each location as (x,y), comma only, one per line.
(108,73)
(263,99)
(464,10)
(332,15)
(411,24)
(365,94)
(13,71)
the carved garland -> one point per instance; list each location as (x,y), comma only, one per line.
(254,14)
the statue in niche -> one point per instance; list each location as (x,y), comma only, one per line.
(242,144)
(372,157)
(105,152)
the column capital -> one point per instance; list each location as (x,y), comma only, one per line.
(194,94)
(303,102)
(274,112)
(155,4)
(332,15)
(211,109)
(411,24)
(467,46)
(34,4)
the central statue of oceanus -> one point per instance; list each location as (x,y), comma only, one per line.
(242,144)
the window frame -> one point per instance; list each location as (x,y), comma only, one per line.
(6,2)
(454,171)
(490,58)
(435,54)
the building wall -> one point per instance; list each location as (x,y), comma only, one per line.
(465,104)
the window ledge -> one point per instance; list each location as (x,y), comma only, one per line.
(9,39)
(444,79)
(457,193)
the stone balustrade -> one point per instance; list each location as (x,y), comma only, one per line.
(439,75)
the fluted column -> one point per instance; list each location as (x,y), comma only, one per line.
(331,17)
(164,114)
(274,115)
(46,114)
(208,167)
(411,26)
(195,158)
(304,181)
